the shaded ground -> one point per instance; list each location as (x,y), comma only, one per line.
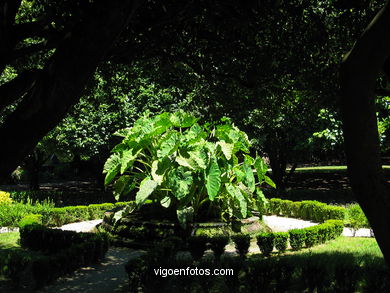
(109,276)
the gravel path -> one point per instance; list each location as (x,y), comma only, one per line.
(108,276)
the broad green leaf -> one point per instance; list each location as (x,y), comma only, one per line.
(180,182)
(249,178)
(240,174)
(261,168)
(236,193)
(127,159)
(185,162)
(261,201)
(166,202)
(169,144)
(124,212)
(185,216)
(111,167)
(199,155)
(269,181)
(123,186)
(146,188)
(213,179)
(123,132)
(182,119)
(159,167)
(194,134)
(227,148)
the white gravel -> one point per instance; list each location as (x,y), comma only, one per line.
(283,224)
(86,226)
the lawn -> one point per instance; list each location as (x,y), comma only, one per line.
(327,169)
(9,240)
(358,246)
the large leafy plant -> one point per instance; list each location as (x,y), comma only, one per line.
(172,159)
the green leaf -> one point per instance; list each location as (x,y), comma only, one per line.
(146,188)
(261,168)
(249,178)
(123,132)
(213,179)
(166,202)
(111,168)
(194,134)
(123,186)
(235,192)
(200,157)
(269,181)
(227,148)
(180,182)
(182,119)
(169,144)
(159,167)
(127,159)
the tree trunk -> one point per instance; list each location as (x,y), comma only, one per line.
(359,72)
(62,81)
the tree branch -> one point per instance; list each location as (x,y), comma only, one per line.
(14,89)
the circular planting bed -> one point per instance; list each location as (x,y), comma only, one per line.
(143,231)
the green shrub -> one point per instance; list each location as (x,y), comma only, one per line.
(11,214)
(311,236)
(356,218)
(197,245)
(266,242)
(281,241)
(242,243)
(297,238)
(307,210)
(30,219)
(218,244)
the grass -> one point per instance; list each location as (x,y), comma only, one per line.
(358,246)
(327,169)
(9,240)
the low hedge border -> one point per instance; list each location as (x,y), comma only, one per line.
(267,241)
(314,272)
(54,217)
(310,210)
(61,252)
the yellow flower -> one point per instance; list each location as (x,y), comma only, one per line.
(5,198)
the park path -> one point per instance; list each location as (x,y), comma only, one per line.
(108,276)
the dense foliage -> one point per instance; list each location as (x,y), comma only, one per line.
(174,160)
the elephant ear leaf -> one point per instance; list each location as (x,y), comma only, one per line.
(213,179)
(236,193)
(146,188)
(261,168)
(123,186)
(111,168)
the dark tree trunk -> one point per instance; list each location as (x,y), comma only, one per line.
(62,81)
(359,72)
(277,153)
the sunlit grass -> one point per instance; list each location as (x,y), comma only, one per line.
(358,246)
(9,240)
(327,169)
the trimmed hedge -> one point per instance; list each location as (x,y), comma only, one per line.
(266,242)
(62,253)
(307,210)
(281,241)
(242,243)
(333,272)
(11,214)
